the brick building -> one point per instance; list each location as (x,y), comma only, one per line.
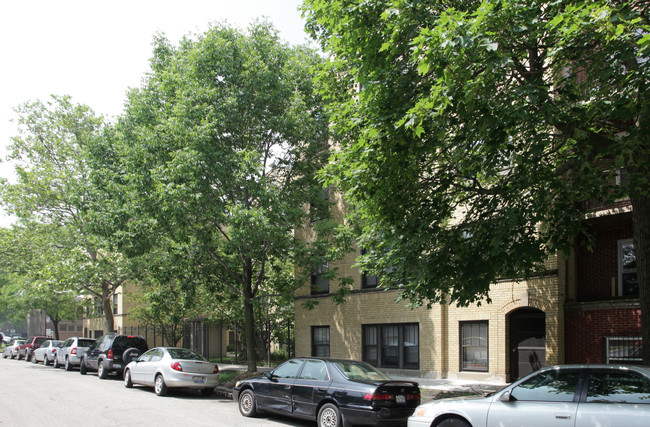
(581,309)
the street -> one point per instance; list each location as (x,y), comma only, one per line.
(37,395)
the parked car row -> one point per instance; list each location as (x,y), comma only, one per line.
(124,356)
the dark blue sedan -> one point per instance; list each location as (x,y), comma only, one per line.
(331,392)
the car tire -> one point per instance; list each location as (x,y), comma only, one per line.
(46,361)
(329,416)
(68,365)
(127,379)
(159,385)
(55,364)
(247,406)
(454,422)
(82,367)
(34,359)
(102,372)
(130,354)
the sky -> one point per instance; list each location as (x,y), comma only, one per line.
(95,50)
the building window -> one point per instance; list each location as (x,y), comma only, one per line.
(392,345)
(319,210)
(368,281)
(628,282)
(115,304)
(320,284)
(474,346)
(623,350)
(320,341)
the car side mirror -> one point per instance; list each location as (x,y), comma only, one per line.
(269,375)
(506,397)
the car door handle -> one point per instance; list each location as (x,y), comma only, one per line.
(321,390)
(563,416)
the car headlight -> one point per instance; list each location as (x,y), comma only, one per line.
(237,383)
(420,412)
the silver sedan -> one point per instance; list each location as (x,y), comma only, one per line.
(569,395)
(165,367)
(46,353)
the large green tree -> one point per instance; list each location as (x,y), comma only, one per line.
(218,150)
(472,131)
(37,275)
(54,189)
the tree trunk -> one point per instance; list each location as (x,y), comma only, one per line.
(249,316)
(641,224)
(55,323)
(107,307)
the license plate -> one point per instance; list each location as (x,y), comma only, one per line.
(400,399)
(198,380)
(117,366)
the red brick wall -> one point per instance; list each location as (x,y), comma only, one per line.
(585,332)
(595,269)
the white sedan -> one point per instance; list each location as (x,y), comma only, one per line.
(11,350)
(569,395)
(46,353)
(165,367)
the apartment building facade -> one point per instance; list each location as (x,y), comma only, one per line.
(572,312)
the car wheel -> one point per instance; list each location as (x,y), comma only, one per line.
(247,405)
(101,370)
(82,367)
(33,360)
(46,361)
(127,379)
(329,416)
(56,362)
(454,422)
(160,387)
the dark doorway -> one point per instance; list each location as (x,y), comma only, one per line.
(527,342)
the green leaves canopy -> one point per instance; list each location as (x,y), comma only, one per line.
(471,131)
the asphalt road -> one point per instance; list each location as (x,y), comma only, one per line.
(37,395)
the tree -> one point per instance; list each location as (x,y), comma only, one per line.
(217,152)
(33,266)
(471,131)
(54,189)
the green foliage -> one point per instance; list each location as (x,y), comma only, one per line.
(215,159)
(471,131)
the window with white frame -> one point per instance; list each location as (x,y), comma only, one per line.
(474,346)
(628,282)
(623,349)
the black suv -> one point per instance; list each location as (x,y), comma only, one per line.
(111,353)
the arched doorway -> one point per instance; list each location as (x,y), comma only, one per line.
(527,341)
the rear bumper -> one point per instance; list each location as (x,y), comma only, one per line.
(190,380)
(389,417)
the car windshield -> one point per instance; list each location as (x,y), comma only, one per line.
(184,354)
(359,371)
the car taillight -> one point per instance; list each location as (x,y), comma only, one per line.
(377,396)
(109,355)
(53,350)
(413,396)
(177,366)
(216,369)
(74,350)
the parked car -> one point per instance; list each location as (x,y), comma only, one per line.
(575,395)
(11,350)
(167,367)
(46,353)
(27,349)
(71,350)
(332,392)
(111,353)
